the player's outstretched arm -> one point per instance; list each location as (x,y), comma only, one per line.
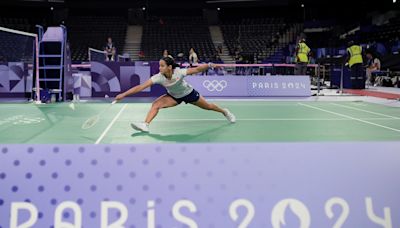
(135,89)
(200,68)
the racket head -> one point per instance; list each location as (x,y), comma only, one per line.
(90,122)
(94,119)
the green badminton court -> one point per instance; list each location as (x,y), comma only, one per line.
(257,121)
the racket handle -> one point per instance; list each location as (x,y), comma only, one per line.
(114,101)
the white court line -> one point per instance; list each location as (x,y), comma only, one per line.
(263,119)
(110,125)
(353,118)
(362,110)
(266,104)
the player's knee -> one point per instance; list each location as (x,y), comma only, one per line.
(156,106)
(209,106)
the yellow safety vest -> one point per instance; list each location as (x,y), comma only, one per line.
(355,55)
(302,54)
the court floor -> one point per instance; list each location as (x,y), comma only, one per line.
(257,121)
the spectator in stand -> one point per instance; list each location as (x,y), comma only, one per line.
(141,54)
(110,50)
(373,65)
(219,49)
(193,59)
(166,54)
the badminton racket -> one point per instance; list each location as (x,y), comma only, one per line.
(94,119)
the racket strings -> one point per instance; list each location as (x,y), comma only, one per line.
(94,119)
(91,122)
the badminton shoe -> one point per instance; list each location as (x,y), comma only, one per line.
(229,116)
(143,127)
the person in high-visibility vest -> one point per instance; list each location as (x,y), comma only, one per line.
(355,62)
(302,57)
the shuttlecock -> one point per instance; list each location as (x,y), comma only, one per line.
(72,106)
(106,96)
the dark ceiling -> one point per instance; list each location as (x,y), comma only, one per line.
(332,7)
(194,3)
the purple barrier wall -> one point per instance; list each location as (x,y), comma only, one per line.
(201,185)
(263,86)
(13,79)
(113,77)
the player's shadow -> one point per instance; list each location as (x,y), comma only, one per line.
(182,137)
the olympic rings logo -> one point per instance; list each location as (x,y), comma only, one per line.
(215,85)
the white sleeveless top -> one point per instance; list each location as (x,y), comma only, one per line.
(176,86)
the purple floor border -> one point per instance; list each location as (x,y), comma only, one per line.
(297,184)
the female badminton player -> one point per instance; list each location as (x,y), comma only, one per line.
(178,90)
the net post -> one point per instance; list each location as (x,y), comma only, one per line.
(37,70)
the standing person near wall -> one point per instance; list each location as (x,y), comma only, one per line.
(302,57)
(355,62)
